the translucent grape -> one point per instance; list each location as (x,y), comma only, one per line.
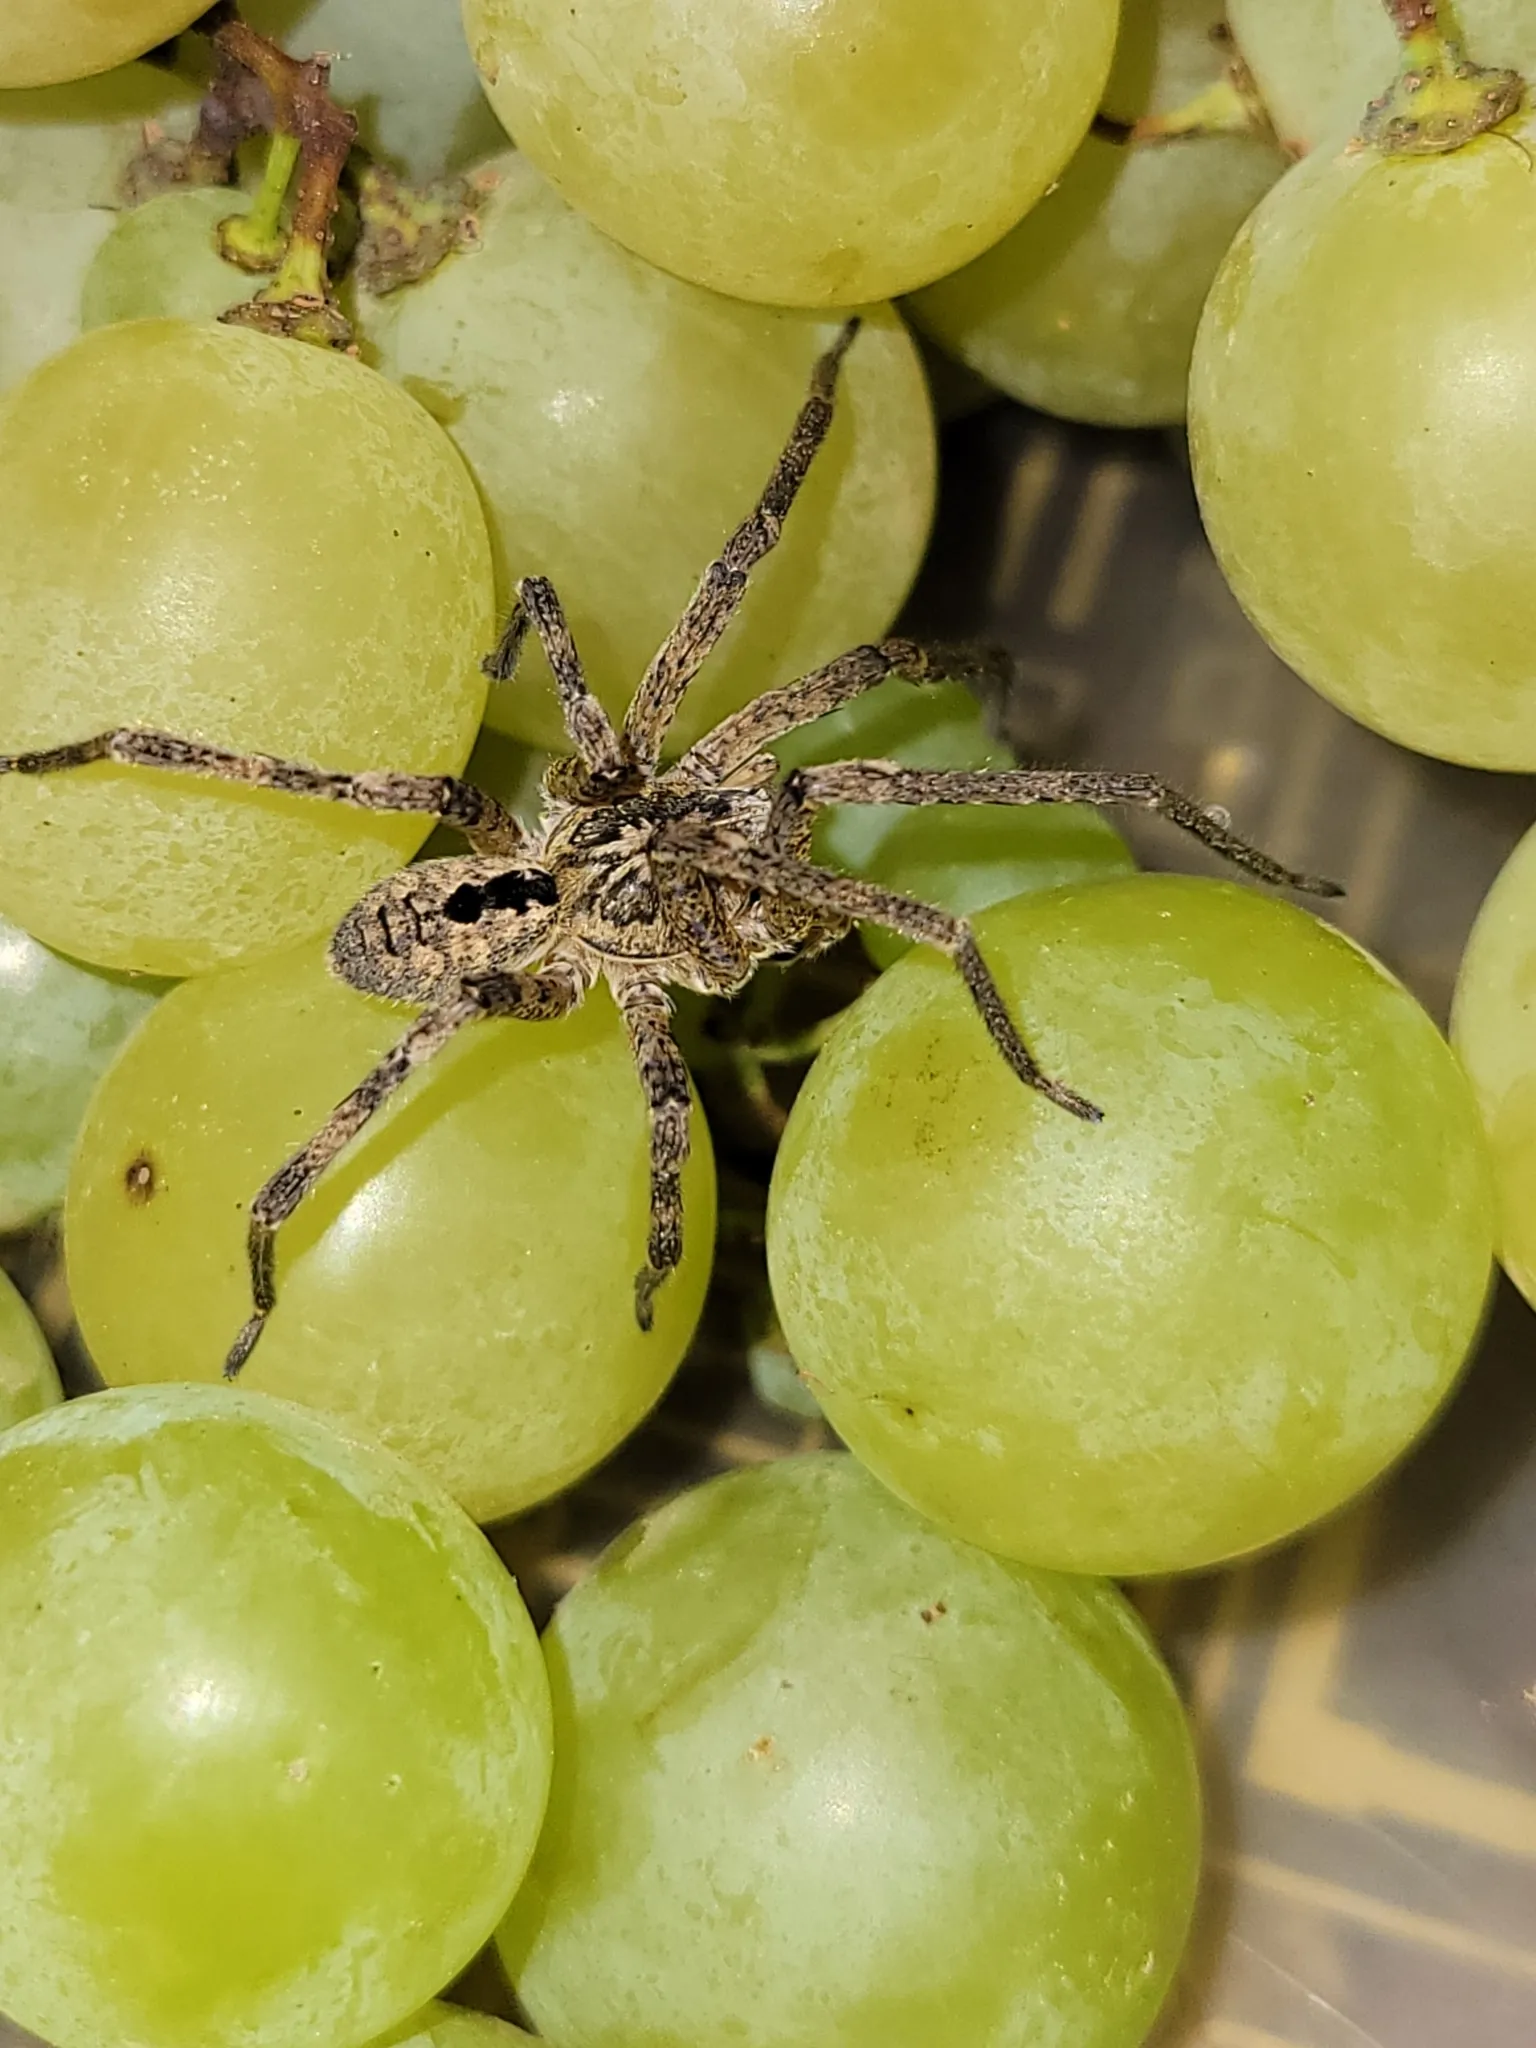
(1491,1029)
(1171,1338)
(1370,504)
(50,42)
(1319,63)
(60,1025)
(402,66)
(67,146)
(245,541)
(45,256)
(823,1774)
(161,260)
(1088,308)
(968,859)
(460,1286)
(275,1726)
(29,1379)
(807,158)
(620,424)
(451,2026)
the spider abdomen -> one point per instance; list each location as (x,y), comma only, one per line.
(421,931)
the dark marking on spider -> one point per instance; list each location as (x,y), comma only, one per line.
(140,1181)
(690,875)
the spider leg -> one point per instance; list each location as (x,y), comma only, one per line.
(714,604)
(746,733)
(844,896)
(664,1078)
(534,996)
(589,726)
(487,826)
(882,782)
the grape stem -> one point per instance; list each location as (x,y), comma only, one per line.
(310,133)
(1440,100)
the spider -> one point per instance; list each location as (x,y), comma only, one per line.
(690,874)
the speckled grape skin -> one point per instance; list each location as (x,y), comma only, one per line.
(49,42)
(275,1733)
(620,423)
(1088,308)
(1171,1338)
(461,1284)
(1493,1027)
(451,2026)
(824,1774)
(29,1379)
(245,541)
(1319,63)
(161,261)
(1362,415)
(821,156)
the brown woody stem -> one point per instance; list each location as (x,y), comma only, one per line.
(1411,17)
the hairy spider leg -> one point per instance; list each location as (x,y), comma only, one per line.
(486,824)
(724,583)
(588,724)
(647,1013)
(535,997)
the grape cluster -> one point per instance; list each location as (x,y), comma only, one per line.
(309,381)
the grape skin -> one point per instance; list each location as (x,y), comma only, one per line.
(460,1286)
(67,146)
(51,42)
(29,1379)
(161,261)
(1370,505)
(821,158)
(620,422)
(1088,308)
(46,256)
(823,1774)
(260,544)
(276,1729)
(1170,1339)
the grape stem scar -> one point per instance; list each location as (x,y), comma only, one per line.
(645,876)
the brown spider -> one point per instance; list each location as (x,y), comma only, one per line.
(691,874)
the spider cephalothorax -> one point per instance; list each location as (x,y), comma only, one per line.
(687,875)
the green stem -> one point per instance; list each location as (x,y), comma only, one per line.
(1440,100)
(256,240)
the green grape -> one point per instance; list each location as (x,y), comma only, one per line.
(1088,308)
(461,1284)
(29,1379)
(1491,1029)
(1370,504)
(244,541)
(402,66)
(161,260)
(450,2026)
(51,42)
(1169,1339)
(807,157)
(67,146)
(275,1727)
(60,1025)
(823,1774)
(45,257)
(621,423)
(1319,63)
(968,859)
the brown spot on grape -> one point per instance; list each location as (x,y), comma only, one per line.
(931,1614)
(140,1181)
(762,1749)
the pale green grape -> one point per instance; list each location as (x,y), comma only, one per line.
(275,1729)
(45,256)
(807,157)
(1088,308)
(1370,500)
(451,2026)
(402,66)
(461,1284)
(29,1379)
(1319,63)
(1168,1339)
(824,1774)
(162,260)
(1491,1027)
(50,42)
(67,146)
(244,541)
(60,1025)
(621,423)
(967,859)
